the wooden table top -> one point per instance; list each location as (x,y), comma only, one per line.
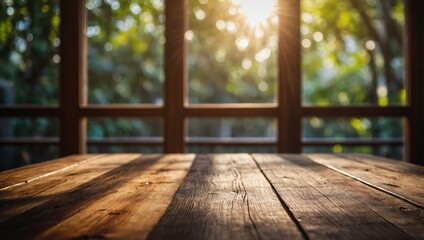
(219,196)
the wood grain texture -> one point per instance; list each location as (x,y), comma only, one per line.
(407,217)
(399,167)
(221,196)
(402,179)
(324,210)
(225,197)
(32,172)
(56,199)
(133,209)
(19,199)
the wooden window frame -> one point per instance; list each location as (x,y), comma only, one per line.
(288,110)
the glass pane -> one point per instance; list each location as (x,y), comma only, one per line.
(353,52)
(393,152)
(125,51)
(13,156)
(124,127)
(348,129)
(29,127)
(16,155)
(232,127)
(124,149)
(362,128)
(232,51)
(231,149)
(29,53)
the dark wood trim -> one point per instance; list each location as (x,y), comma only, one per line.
(125,141)
(147,110)
(29,140)
(175,75)
(232,106)
(72,76)
(414,69)
(208,141)
(29,111)
(351,142)
(289,77)
(355,111)
(121,110)
(231,110)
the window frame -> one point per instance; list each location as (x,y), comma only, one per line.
(288,110)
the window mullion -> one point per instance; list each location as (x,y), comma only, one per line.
(414,130)
(72,77)
(175,75)
(289,77)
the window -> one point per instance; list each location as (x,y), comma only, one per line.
(29,75)
(353,55)
(213,77)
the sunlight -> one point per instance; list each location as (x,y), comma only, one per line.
(256,11)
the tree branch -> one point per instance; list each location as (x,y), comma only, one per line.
(384,45)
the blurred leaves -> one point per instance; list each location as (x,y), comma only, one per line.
(228,57)
(125,51)
(28,30)
(358,55)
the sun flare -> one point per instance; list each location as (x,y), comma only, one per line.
(257,12)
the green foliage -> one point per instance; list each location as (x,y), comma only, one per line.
(232,127)
(124,149)
(29,74)
(124,127)
(359,59)
(125,51)
(29,40)
(230,61)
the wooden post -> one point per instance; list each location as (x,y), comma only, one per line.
(72,76)
(289,80)
(175,75)
(414,69)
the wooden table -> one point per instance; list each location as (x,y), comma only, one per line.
(226,196)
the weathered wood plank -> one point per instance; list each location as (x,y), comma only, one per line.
(225,197)
(401,167)
(407,217)
(133,210)
(19,199)
(19,176)
(70,201)
(403,180)
(324,209)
